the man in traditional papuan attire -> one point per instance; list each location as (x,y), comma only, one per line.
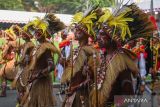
(7,71)
(79,72)
(117,68)
(26,49)
(39,90)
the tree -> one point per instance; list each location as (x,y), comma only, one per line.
(72,6)
(55,6)
(29,5)
(11,4)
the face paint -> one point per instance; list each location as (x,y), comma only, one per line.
(102,39)
(38,33)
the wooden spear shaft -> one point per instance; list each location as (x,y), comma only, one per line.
(71,61)
(95,70)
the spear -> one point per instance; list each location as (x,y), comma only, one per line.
(95,70)
(152,83)
(71,60)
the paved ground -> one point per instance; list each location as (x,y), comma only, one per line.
(10,100)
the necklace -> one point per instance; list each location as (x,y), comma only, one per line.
(101,70)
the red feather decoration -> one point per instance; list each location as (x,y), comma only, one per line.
(153,20)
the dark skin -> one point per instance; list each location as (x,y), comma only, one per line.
(63,35)
(41,39)
(25,37)
(16,31)
(81,37)
(104,41)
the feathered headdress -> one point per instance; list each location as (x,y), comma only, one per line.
(55,24)
(18,31)
(11,32)
(85,21)
(141,26)
(16,28)
(126,24)
(35,25)
(28,27)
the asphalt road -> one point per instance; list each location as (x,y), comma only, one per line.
(10,100)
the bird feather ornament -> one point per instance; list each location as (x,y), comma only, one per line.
(129,23)
(54,23)
(105,17)
(85,21)
(40,24)
(117,22)
(37,24)
(25,28)
(141,26)
(77,17)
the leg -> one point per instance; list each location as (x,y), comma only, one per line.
(3,88)
(3,82)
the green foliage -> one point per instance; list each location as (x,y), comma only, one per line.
(103,3)
(72,6)
(56,6)
(11,4)
(2,41)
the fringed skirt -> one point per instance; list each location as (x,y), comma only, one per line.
(41,94)
(80,98)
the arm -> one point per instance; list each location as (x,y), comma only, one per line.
(23,61)
(43,72)
(127,87)
(126,83)
(5,50)
(49,68)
